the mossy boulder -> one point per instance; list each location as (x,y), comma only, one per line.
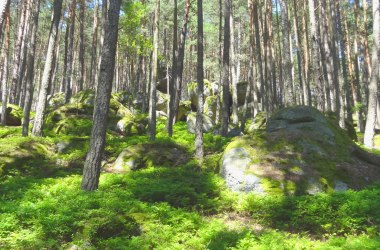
(148,155)
(14,114)
(258,122)
(208,123)
(132,125)
(300,152)
(57,100)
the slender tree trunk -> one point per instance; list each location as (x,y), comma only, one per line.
(3,11)
(64,72)
(18,53)
(373,86)
(81,45)
(30,72)
(317,73)
(235,116)
(174,79)
(299,57)
(367,60)
(289,96)
(226,69)
(342,45)
(335,61)
(181,56)
(259,58)
(92,165)
(199,119)
(328,64)
(153,87)
(104,22)
(4,59)
(48,70)
(70,54)
(306,87)
(93,68)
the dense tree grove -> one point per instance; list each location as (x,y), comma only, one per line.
(255,55)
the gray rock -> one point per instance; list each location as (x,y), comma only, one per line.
(234,165)
(122,164)
(314,187)
(208,123)
(302,119)
(62,146)
(340,186)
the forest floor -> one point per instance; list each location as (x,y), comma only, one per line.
(163,207)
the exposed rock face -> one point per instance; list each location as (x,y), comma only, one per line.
(300,152)
(234,166)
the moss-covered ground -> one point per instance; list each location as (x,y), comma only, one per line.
(162,207)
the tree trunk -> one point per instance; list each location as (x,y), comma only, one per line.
(306,87)
(92,165)
(342,45)
(174,79)
(48,70)
(288,81)
(373,86)
(93,67)
(327,62)
(199,119)
(19,53)
(153,87)
(181,56)
(3,11)
(30,72)
(235,115)
(64,73)
(317,73)
(4,59)
(299,57)
(226,69)
(81,45)
(70,54)
(335,59)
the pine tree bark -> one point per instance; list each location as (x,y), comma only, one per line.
(93,67)
(298,51)
(4,67)
(18,55)
(30,71)
(199,118)
(373,86)
(92,165)
(326,55)
(81,45)
(317,73)
(70,51)
(174,79)
(181,56)
(288,81)
(48,70)
(153,87)
(235,116)
(342,44)
(226,69)
(3,11)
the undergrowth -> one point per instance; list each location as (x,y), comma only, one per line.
(182,207)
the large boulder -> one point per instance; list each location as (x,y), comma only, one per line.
(300,152)
(208,123)
(14,115)
(147,155)
(132,125)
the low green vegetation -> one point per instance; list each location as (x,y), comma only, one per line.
(163,206)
